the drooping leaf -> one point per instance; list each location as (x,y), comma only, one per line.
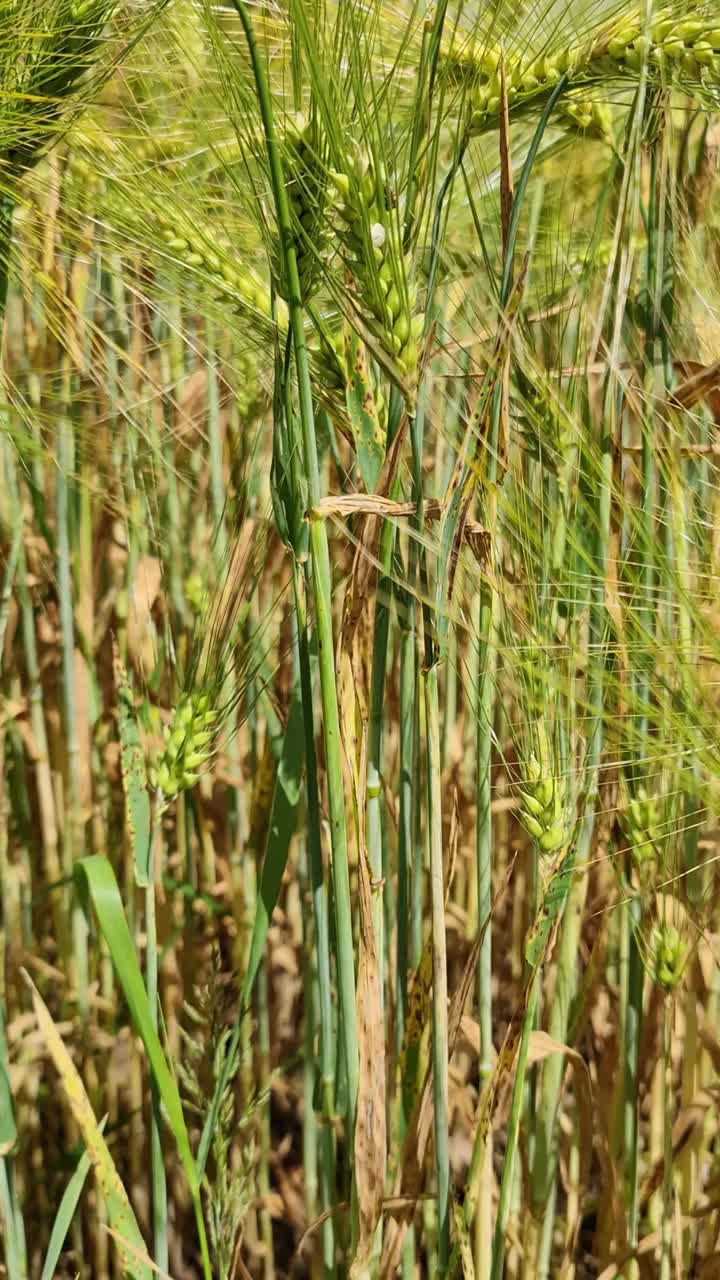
(96,882)
(363,413)
(370,1124)
(120,1213)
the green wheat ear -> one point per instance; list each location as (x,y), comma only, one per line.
(543,799)
(645,822)
(196,592)
(307,180)
(673,49)
(189,742)
(216,678)
(479,65)
(382,273)
(668,955)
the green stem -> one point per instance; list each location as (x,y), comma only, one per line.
(8,582)
(7,209)
(15,1261)
(545,1165)
(407,855)
(73,834)
(157,1164)
(633,1032)
(668,1116)
(322,932)
(406,815)
(513,1132)
(487,623)
(439,968)
(322,579)
(265,1067)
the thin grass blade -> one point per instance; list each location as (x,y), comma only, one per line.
(66,1212)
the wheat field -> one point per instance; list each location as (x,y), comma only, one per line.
(359,639)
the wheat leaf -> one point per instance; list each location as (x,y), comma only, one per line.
(118,1206)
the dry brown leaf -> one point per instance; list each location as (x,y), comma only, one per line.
(611,1229)
(462,1236)
(354,680)
(470,1032)
(140,627)
(81,672)
(647,1245)
(709,1268)
(408,1178)
(370,1130)
(373,504)
(708,954)
(452,841)
(711,1043)
(701,382)
(191,405)
(685,1124)
(543,1046)
(285,957)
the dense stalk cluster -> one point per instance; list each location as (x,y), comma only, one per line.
(374,604)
